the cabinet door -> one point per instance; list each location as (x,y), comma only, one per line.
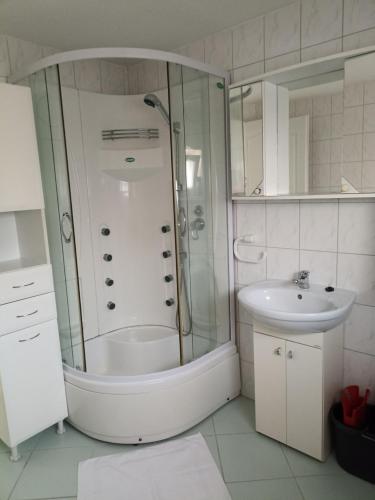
(20,186)
(270,386)
(32,392)
(304,398)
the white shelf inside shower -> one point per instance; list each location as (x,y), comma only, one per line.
(131,165)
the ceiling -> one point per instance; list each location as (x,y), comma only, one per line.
(157,24)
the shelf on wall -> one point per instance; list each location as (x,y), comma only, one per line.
(330,196)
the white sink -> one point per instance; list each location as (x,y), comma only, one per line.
(285,306)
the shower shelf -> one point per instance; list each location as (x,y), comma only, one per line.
(131,165)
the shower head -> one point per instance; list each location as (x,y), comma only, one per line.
(154,101)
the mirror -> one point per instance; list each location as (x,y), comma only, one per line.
(246,121)
(325,132)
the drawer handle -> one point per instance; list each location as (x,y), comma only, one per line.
(26,284)
(30,338)
(28,314)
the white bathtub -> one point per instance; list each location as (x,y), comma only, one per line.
(155,406)
(133,351)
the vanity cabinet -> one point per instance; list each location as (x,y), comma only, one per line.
(297,378)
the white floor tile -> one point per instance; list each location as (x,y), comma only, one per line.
(336,488)
(247,457)
(274,489)
(9,473)
(51,474)
(235,417)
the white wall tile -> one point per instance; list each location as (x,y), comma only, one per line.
(357,228)
(319,226)
(22,53)
(322,266)
(352,171)
(337,103)
(4,57)
(321,50)
(368,175)
(112,78)
(369,118)
(358,15)
(321,127)
(337,125)
(283,61)
(218,49)
(248,273)
(359,369)
(353,94)
(320,176)
(322,105)
(249,71)
(320,21)
(87,75)
(369,146)
(282,33)
(353,147)
(251,219)
(360,330)
(282,263)
(246,342)
(282,220)
(248,42)
(321,152)
(357,272)
(359,40)
(67,78)
(353,120)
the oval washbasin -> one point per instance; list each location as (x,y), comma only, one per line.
(283,305)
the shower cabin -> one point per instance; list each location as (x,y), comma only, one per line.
(133,153)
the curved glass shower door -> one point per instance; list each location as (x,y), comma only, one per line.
(197,106)
(45,88)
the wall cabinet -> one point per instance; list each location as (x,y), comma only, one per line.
(20,186)
(297,378)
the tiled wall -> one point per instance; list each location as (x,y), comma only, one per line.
(335,240)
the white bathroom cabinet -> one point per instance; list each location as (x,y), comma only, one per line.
(32,391)
(297,378)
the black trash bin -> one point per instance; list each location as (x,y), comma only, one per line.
(354,448)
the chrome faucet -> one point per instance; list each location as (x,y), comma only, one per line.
(302,279)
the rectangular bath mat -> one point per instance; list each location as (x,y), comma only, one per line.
(176,470)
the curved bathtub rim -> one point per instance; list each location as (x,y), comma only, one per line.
(117,384)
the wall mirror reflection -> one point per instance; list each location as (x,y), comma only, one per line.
(318,132)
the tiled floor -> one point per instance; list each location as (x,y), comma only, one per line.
(253,466)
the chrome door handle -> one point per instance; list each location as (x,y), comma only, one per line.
(30,338)
(277,351)
(28,314)
(66,227)
(182,223)
(290,354)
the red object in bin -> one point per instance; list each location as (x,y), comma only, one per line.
(354,406)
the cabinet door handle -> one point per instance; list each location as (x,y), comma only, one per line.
(28,314)
(26,284)
(30,338)
(290,354)
(277,351)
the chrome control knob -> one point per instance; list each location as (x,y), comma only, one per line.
(169,302)
(166,254)
(165,229)
(107,257)
(105,231)
(111,305)
(168,278)
(109,281)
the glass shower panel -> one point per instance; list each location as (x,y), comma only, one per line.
(199,102)
(50,132)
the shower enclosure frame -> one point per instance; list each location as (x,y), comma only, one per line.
(93,397)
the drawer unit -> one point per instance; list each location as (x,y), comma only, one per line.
(24,313)
(24,283)
(32,393)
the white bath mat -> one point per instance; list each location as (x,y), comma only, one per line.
(177,470)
